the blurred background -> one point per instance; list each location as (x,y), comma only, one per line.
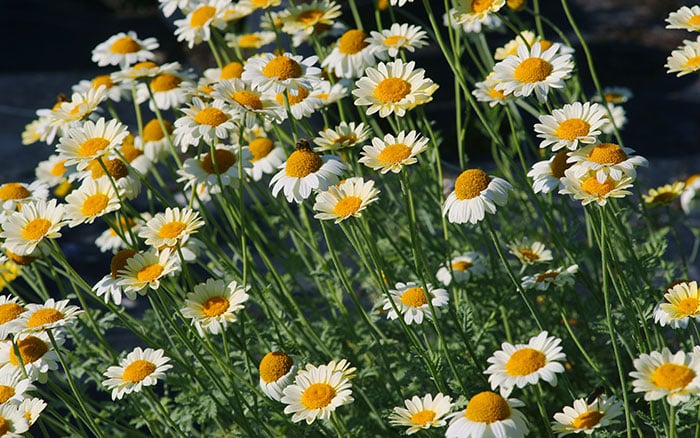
(46,47)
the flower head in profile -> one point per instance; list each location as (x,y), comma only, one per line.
(214,305)
(90,141)
(316,16)
(489,414)
(197,25)
(124,49)
(141,367)
(462,268)
(279,73)
(469,11)
(316,393)
(558,277)
(607,160)
(345,200)
(526,364)
(345,135)
(50,315)
(266,157)
(486,91)
(475,194)
(422,413)
(529,252)
(172,227)
(396,38)
(410,301)
(13,386)
(674,377)
(681,304)
(36,353)
(13,421)
(207,121)
(10,310)
(146,269)
(15,194)
(277,371)
(573,124)
(392,153)
(685,59)
(393,88)
(31,408)
(687,18)
(586,416)
(663,195)
(588,188)
(24,230)
(351,55)
(547,175)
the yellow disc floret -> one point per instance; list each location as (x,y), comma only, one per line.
(347,206)
(302,162)
(149,272)
(36,229)
(10,311)
(210,116)
(138,370)
(532,70)
(525,361)
(352,41)
(392,90)
(671,376)
(165,82)
(607,153)
(215,306)
(414,297)
(394,153)
(274,366)
(487,407)
(92,147)
(13,190)
(593,187)
(571,129)
(201,15)
(224,160)
(260,148)
(125,45)
(317,396)
(282,68)
(587,420)
(30,349)
(44,317)
(94,204)
(470,183)
(423,417)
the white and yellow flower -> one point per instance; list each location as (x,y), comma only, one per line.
(345,135)
(392,153)
(411,301)
(586,416)
(209,122)
(94,198)
(685,59)
(529,252)
(10,310)
(138,369)
(115,92)
(351,55)
(681,304)
(50,315)
(607,160)
(197,25)
(345,200)
(266,157)
(558,277)
(475,194)
(587,188)
(90,141)
(687,18)
(13,386)
(398,37)
(146,269)
(489,414)
(248,102)
(15,194)
(124,49)
(13,421)
(251,40)
(214,170)
(486,91)
(675,377)
(36,353)
(664,195)
(547,175)
(469,11)
(31,409)
(568,127)
(278,73)
(277,371)
(462,268)
(214,305)
(310,17)
(108,286)
(172,227)
(422,413)
(24,230)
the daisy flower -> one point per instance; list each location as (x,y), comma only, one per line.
(250,41)
(155,139)
(345,135)
(278,73)
(53,171)
(488,414)
(665,375)
(681,303)
(66,113)
(475,193)
(533,71)
(469,11)
(209,122)
(687,18)
(196,26)
(462,268)
(13,422)
(393,153)
(24,230)
(113,172)
(690,198)
(138,369)
(316,393)
(307,18)
(614,95)
(214,170)
(301,102)
(276,373)
(410,300)
(558,277)
(108,287)
(329,93)
(142,71)
(588,188)
(10,310)
(486,91)
(146,269)
(393,87)
(13,386)
(546,175)
(351,55)
(530,253)
(488,23)
(90,141)
(172,227)
(124,49)
(664,195)
(304,171)
(398,37)
(526,38)
(345,200)
(168,91)
(526,364)
(571,125)
(422,413)
(266,157)
(50,315)
(115,92)
(248,102)
(31,409)
(15,194)
(587,417)
(685,59)
(94,198)
(36,353)
(606,160)
(214,305)
(232,70)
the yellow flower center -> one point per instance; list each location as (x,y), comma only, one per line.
(347,206)
(201,15)
(394,40)
(210,116)
(302,162)
(36,229)
(529,254)
(587,420)
(130,153)
(494,93)
(593,187)
(145,65)
(171,230)
(215,306)
(470,183)
(153,132)
(532,70)
(487,407)
(282,68)
(224,160)
(92,147)
(394,153)
(43,317)
(249,41)
(694,20)
(317,396)
(302,93)
(138,370)
(525,361)
(481,5)
(125,45)
(10,311)
(414,297)
(692,63)
(612,97)
(119,260)
(392,90)
(516,5)
(260,148)
(13,190)
(232,70)
(149,272)
(607,153)
(94,204)
(572,129)
(423,417)
(671,376)
(545,44)
(58,169)
(310,16)
(105,80)
(546,275)
(116,168)
(4,426)
(165,82)
(559,164)
(274,365)
(461,266)
(247,99)
(352,41)
(30,349)
(349,139)
(688,306)
(6,392)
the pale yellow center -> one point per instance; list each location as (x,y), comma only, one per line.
(210,116)
(347,206)
(317,396)
(487,407)
(525,361)
(249,41)
(572,129)
(224,160)
(138,370)
(215,306)
(43,317)
(30,348)
(593,187)
(671,376)
(260,148)
(201,15)
(6,392)
(94,204)
(392,90)
(352,41)
(92,147)
(423,417)
(13,190)
(282,68)
(125,45)
(414,297)
(471,183)
(587,420)
(692,63)
(302,162)
(165,82)
(36,229)
(149,272)
(274,366)
(394,153)
(532,70)
(607,153)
